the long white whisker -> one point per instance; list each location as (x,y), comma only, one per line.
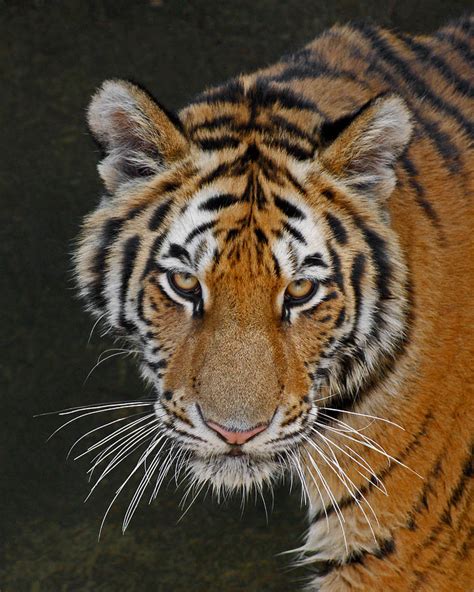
(375,417)
(134,442)
(102,360)
(101,410)
(368,443)
(343,478)
(333,500)
(363,465)
(116,433)
(120,489)
(101,428)
(94,326)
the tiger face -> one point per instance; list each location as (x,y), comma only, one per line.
(241,254)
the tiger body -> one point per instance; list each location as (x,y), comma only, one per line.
(354,158)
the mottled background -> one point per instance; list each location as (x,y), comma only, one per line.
(53,54)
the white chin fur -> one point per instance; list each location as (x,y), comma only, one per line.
(234,474)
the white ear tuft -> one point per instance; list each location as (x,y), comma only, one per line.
(363,156)
(138,136)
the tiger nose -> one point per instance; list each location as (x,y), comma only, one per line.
(236,437)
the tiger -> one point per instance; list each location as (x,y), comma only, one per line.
(291,256)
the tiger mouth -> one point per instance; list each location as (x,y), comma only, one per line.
(236,452)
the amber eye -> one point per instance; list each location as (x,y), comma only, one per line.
(300,291)
(185,283)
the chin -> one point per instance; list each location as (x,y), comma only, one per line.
(235,474)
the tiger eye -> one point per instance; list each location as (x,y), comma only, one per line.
(300,289)
(184,282)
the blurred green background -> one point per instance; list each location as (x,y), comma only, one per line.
(53,55)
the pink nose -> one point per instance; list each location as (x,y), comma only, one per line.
(236,437)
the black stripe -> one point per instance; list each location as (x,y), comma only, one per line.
(223,169)
(232,92)
(288,208)
(341,317)
(211,124)
(383,549)
(179,252)
(458,44)
(133,212)
(421,200)
(292,149)
(155,366)
(109,233)
(336,267)
(128,263)
(296,234)
(357,274)
(467,473)
(315,259)
(159,215)
(337,228)
(443,142)
(313,69)
(417,85)
(260,236)
(213,204)
(199,230)
(232,233)
(378,247)
(219,143)
(426,55)
(150,264)
(429,488)
(263,94)
(283,124)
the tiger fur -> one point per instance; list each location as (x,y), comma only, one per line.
(347,165)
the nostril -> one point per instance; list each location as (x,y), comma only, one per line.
(236,437)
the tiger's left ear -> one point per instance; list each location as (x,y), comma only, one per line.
(361,150)
(138,136)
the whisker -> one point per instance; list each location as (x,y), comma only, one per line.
(375,417)
(342,476)
(332,498)
(94,326)
(363,465)
(101,428)
(120,489)
(100,361)
(125,449)
(99,406)
(90,413)
(116,433)
(368,443)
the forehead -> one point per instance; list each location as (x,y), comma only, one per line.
(247,218)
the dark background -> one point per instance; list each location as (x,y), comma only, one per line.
(52,56)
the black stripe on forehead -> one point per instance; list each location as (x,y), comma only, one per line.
(179,252)
(314,260)
(199,230)
(295,233)
(218,202)
(290,210)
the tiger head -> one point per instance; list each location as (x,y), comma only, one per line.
(245,248)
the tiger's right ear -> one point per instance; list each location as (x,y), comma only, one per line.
(139,137)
